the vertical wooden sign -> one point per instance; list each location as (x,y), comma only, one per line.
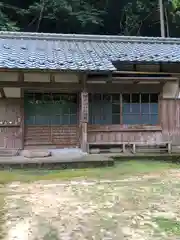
(84,107)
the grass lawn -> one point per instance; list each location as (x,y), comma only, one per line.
(170,226)
(144,204)
(119,170)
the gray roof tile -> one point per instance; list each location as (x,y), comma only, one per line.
(82,52)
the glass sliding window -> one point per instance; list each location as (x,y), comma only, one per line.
(50,108)
(130,109)
(140,109)
(104,108)
(116,100)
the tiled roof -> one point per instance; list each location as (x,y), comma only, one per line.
(82,52)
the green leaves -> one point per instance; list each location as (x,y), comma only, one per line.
(78,13)
(134,17)
(175,4)
(5,23)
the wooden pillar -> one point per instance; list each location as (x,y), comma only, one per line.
(84,115)
(22,118)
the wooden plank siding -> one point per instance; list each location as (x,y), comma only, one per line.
(170,120)
(121,135)
(168,130)
(10,124)
(55,136)
(64,136)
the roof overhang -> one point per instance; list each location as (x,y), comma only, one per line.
(88,37)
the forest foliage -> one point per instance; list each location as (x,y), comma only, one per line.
(132,17)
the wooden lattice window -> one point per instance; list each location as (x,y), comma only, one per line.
(51,109)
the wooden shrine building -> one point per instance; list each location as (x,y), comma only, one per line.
(68,90)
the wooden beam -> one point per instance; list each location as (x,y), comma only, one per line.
(150,82)
(134,67)
(134,79)
(124,88)
(103,79)
(53,84)
(3,95)
(86,72)
(146,78)
(142,73)
(77,72)
(52,78)
(84,82)
(21,77)
(32,85)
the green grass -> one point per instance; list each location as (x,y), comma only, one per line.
(168,225)
(119,170)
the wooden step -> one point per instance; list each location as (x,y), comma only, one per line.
(8,152)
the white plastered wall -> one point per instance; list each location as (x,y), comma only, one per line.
(171,89)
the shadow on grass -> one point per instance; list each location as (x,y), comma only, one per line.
(160,158)
(120,170)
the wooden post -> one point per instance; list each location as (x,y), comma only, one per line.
(22,119)
(84,115)
(169,148)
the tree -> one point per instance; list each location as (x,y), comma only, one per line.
(5,23)
(60,16)
(132,17)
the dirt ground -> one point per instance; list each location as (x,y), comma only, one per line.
(145,207)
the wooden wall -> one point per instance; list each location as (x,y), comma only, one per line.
(10,123)
(168,130)
(120,134)
(11,129)
(12,134)
(52,136)
(170,120)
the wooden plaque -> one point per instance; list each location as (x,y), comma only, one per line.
(84,107)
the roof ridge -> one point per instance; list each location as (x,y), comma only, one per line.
(87,37)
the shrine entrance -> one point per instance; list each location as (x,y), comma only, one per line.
(51,119)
